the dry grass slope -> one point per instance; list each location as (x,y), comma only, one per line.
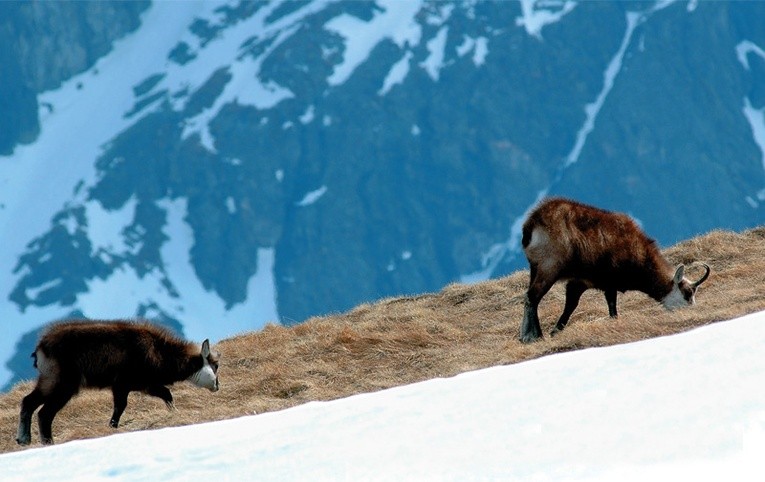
(403,340)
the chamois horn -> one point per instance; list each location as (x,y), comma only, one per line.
(696,284)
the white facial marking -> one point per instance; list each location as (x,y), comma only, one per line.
(675,299)
(205,378)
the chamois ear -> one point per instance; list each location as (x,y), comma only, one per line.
(205,348)
(679,274)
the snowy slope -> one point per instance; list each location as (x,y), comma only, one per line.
(689,405)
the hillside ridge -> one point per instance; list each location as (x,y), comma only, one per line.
(403,340)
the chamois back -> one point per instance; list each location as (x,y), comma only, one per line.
(97,352)
(583,239)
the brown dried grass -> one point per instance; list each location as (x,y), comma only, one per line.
(397,341)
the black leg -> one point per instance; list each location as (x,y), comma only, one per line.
(28,406)
(611,301)
(120,395)
(539,285)
(574,290)
(161,391)
(530,328)
(53,403)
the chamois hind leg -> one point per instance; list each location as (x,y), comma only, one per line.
(28,406)
(539,284)
(574,291)
(54,402)
(611,301)
(120,395)
(161,391)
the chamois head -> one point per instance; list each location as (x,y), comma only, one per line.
(683,291)
(207,376)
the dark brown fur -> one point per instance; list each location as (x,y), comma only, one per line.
(120,355)
(591,248)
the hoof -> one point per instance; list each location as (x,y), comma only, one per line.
(113,424)
(23,440)
(530,338)
(47,441)
(555,331)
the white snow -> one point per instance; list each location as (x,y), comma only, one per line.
(435,60)
(397,74)
(536,14)
(755,117)
(489,262)
(746,47)
(231,205)
(203,314)
(468,43)
(481,51)
(441,15)
(34,186)
(105,228)
(308,115)
(245,86)
(396,22)
(311,197)
(592,110)
(33,293)
(498,251)
(684,407)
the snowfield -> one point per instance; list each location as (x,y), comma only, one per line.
(690,405)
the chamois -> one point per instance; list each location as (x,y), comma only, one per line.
(121,355)
(593,248)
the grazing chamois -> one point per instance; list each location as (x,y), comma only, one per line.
(121,355)
(592,248)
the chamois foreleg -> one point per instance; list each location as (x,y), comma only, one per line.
(539,284)
(28,406)
(574,291)
(120,396)
(611,301)
(161,391)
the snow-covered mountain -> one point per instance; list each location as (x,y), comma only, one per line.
(218,165)
(688,406)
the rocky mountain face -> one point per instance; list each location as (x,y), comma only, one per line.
(383,148)
(44,43)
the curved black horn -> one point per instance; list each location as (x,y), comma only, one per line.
(703,278)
